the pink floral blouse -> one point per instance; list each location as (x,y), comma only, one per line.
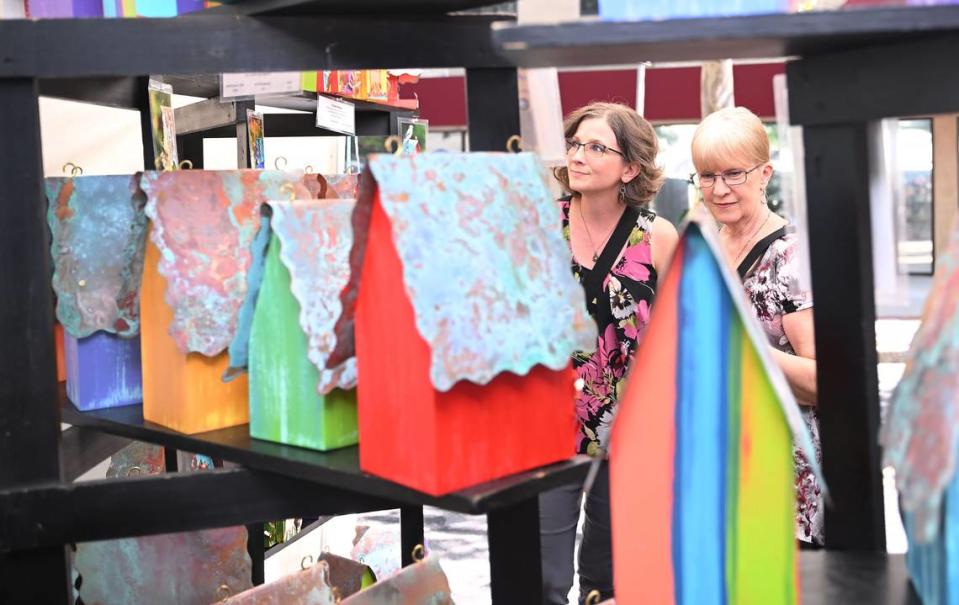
(631,286)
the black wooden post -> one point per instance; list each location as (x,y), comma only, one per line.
(257,550)
(492,96)
(411,532)
(492,99)
(837,185)
(516,576)
(29,411)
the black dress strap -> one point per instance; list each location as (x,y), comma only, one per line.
(593,284)
(758,251)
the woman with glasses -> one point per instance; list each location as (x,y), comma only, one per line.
(618,247)
(731,155)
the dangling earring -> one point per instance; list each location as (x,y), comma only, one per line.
(622,192)
(762,191)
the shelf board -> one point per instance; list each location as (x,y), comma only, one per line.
(339,468)
(742,37)
(208,87)
(338,7)
(81,449)
(204,44)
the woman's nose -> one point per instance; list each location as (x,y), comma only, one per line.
(720,187)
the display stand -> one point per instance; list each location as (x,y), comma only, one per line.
(855,67)
(107,61)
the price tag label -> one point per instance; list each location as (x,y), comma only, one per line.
(336,115)
(249,85)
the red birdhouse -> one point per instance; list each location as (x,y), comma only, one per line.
(465,319)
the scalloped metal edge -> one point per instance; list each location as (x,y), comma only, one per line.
(580,327)
(67,298)
(304,185)
(322,292)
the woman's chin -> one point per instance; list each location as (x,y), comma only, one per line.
(726,213)
(587,188)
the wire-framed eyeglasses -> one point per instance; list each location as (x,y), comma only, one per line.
(735,176)
(593,150)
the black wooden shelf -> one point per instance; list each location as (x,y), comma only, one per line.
(81,449)
(339,7)
(745,37)
(339,468)
(208,87)
(205,44)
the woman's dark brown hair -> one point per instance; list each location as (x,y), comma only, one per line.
(635,137)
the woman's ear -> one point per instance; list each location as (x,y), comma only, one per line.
(630,172)
(767,173)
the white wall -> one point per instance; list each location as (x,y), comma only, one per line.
(106,140)
(101,140)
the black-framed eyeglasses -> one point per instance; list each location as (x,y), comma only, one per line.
(735,176)
(593,151)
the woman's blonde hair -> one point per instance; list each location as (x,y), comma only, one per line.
(637,140)
(730,133)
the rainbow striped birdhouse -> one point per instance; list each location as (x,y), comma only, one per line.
(921,438)
(701,452)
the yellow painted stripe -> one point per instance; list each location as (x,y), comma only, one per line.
(765,544)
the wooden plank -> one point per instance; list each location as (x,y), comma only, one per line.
(493,108)
(411,533)
(337,468)
(112,92)
(204,115)
(337,7)
(101,510)
(840,244)
(29,415)
(64,48)
(82,449)
(514,554)
(757,36)
(905,77)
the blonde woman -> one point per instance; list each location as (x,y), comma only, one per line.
(731,155)
(618,247)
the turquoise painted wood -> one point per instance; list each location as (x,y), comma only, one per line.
(934,567)
(285,405)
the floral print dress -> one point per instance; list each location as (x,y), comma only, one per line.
(631,287)
(773,289)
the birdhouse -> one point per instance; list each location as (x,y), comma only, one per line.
(98,229)
(422,583)
(301,263)
(921,438)
(701,451)
(194,282)
(197,567)
(310,586)
(466,314)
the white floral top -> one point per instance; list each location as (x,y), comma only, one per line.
(773,289)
